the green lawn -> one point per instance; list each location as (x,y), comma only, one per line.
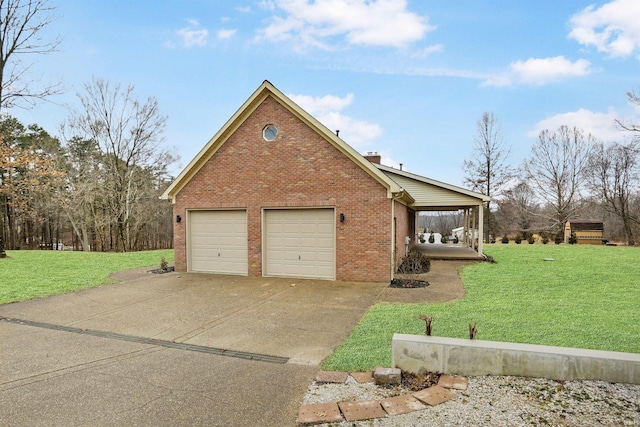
(33,274)
(589,297)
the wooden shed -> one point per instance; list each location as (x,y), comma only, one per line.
(588,232)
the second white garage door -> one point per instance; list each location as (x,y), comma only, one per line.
(218,242)
(300,243)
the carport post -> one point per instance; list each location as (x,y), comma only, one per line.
(480,227)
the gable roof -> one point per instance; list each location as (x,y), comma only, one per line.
(267,89)
(429,194)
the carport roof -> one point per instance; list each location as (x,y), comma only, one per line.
(429,194)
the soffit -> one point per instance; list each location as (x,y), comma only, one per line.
(429,194)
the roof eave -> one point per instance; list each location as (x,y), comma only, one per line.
(388,169)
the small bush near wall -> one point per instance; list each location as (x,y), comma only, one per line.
(573,239)
(505,239)
(414,263)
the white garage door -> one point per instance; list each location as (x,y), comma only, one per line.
(218,242)
(300,243)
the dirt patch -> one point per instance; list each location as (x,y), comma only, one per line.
(416,382)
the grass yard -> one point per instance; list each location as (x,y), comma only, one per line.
(33,274)
(589,297)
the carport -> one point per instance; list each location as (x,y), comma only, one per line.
(432,195)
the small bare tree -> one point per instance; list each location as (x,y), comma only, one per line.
(488,171)
(518,211)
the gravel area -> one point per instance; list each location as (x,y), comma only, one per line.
(501,401)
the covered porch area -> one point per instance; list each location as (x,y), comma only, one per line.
(449,251)
(433,196)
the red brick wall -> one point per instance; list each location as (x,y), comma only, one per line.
(301,169)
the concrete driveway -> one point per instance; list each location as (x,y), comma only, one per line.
(86,358)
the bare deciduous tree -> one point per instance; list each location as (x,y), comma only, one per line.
(21,26)
(614,178)
(487,171)
(557,170)
(518,209)
(631,127)
(129,133)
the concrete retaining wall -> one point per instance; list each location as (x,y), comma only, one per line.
(417,353)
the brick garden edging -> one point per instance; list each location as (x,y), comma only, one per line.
(369,409)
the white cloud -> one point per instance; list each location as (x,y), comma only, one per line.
(357,133)
(613,28)
(225,34)
(267,4)
(193,35)
(323,104)
(600,125)
(245,9)
(428,51)
(540,71)
(360,22)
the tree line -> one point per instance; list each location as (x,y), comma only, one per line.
(568,175)
(97,186)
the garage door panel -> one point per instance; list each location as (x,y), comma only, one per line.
(218,242)
(300,243)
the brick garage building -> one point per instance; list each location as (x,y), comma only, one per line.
(276,193)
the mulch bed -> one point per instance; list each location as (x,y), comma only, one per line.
(161,271)
(408,283)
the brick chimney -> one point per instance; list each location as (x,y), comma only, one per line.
(373,157)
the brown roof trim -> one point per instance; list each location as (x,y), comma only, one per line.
(586,225)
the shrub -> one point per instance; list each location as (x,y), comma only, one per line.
(414,263)
(443,239)
(559,237)
(456,240)
(518,239)
(573,239)
(164,265)
(545,240)
(531,240)
(432,238)
(505,239)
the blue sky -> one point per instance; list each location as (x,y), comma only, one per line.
(406,78)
